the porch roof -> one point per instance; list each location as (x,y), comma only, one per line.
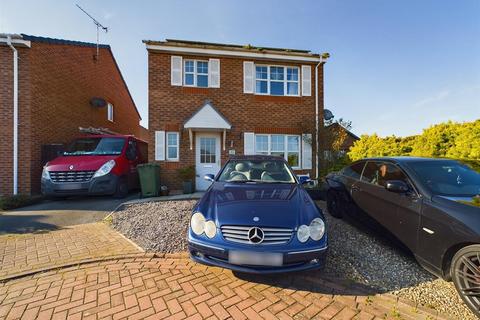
(207,117)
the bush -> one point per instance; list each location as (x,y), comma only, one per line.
(187,173)
(449,140)
(21,200)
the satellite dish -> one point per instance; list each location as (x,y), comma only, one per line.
(98,102)
(327,115)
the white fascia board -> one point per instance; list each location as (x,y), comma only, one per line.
(25,43)
(218,52)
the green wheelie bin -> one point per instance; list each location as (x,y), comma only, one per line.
(149,174)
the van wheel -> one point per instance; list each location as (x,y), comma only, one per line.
(333,204)
(122,189)
(465,271)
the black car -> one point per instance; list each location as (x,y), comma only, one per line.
(432,206)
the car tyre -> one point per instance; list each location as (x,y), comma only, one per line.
(121,190)
(333,204)
(465,272)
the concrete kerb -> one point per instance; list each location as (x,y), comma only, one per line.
(81,262)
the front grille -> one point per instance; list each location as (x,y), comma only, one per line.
(271,235)
(71,176)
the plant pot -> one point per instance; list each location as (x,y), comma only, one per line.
(187,187)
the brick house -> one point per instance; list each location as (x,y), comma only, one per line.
(57,80)
(341,137)
(208,101)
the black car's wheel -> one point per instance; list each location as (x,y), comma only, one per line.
(122,189)
(333,204)
(465,271)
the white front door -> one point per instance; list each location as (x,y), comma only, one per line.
(207,155)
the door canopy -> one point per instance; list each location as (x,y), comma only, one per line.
(207,118)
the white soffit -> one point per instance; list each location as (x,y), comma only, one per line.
(207,117)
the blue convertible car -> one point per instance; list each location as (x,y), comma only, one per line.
(256,217)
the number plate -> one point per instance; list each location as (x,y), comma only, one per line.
(70,186)
(255,258)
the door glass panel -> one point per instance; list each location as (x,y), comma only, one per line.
(207,150)
(380,172)
(354,171)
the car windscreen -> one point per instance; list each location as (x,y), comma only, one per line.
(448,177)
(260,171)
(95,146)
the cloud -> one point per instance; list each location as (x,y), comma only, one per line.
(435,98)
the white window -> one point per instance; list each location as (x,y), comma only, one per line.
(195,73)
(261,144)
(110,112)
(172,146)
(286,146)
(293,151)
(277,80)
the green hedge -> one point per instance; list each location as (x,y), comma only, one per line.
(18,201)
(474,164)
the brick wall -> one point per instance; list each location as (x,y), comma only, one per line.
(170,105)
(57,83)
(6,120)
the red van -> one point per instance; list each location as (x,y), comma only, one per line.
(96,165)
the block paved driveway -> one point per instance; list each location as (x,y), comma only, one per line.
(24,253)
(173,287)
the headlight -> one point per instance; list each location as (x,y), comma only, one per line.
(197,223)
(317,229)
(45,173)
(210,229)
(105,169)
(303,233)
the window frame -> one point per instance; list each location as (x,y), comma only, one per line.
(195,73)
(409,181)
(110,112)
(285,81)
(167,145)
(286,151)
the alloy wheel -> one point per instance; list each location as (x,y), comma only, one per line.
(467,279)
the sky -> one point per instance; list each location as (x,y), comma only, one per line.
(396,67)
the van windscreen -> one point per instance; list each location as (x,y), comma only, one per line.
(95,146)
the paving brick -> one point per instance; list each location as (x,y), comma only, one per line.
(209,295)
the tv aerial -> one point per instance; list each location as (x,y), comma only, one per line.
(99,26)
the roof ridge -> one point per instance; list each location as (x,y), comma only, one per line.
(63,41)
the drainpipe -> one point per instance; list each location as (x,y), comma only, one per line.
(15,115)
(316,119)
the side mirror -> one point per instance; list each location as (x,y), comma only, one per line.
(209,177)
(304,179)
(397,186)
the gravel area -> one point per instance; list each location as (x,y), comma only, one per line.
(156,226)
(355,254)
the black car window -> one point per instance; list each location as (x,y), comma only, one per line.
(370,172)
(380,172)
(447,177)
(354,171)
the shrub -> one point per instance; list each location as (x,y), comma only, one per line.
(450,140)
(187,173)
(17,201)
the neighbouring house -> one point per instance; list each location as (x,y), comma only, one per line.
(208,101)
(49,88)
(340,141)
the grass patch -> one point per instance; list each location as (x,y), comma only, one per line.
(18,201)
